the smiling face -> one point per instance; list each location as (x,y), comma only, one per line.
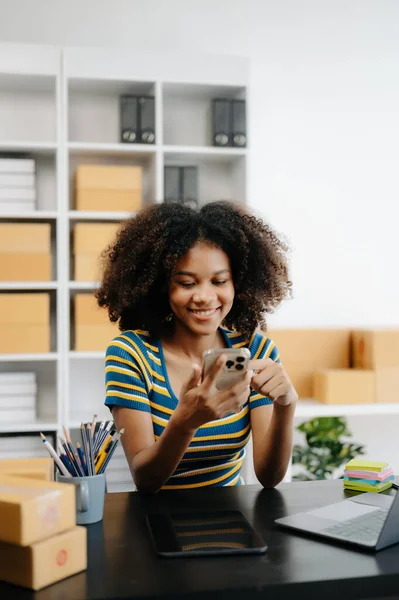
(201,290)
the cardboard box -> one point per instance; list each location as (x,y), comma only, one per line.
(24,323)
(89,241)
(304,351)
(344,386)
(93,329)
(105,187)
(32,510)
(25,237)
(37,468)
(374,348)
(387,384)
(25,266)
(45,562)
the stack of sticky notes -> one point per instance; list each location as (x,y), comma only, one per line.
(367,476)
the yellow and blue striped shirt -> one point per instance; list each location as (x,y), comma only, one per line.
(136,377)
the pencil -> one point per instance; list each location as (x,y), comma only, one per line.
(111,451)
(65,459)
(55,457)
(81,458)
(91,449)
(104,434)
(72,453)
(85,449)
(97,436)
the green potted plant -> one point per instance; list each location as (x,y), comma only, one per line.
(325,450)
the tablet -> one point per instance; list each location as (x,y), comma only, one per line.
(203,534)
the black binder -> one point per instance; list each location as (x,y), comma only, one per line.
(147,119)
(129,119)
(238,123)
(189,186)
(221,122)
(172,184)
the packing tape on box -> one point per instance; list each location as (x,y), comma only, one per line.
(48,505)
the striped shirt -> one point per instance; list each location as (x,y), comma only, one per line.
(136,377)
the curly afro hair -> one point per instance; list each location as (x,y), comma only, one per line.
(137,267)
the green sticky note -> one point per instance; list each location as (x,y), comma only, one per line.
(366,465)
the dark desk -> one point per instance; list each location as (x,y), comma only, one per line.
(122,563)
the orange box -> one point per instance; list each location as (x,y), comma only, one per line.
(18,266)
(45,562)
(25,237)
(374,348)
(93,329)
(37,468)
(108,188)
(304,351)
(33,510)
(344,386)
(89,241)
(387,384)
(24,323)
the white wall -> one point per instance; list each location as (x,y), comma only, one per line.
(324,132)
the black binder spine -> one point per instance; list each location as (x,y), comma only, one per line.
(147,119)
(129,119)
(238,124)
(221,122)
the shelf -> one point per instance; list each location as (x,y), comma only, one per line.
(92,215)
(83,285)
(24,427)
(34,215)
(135,150)
(85,355)
(28,285)
(311,408)
(42,148)
(199,153)
(33,357)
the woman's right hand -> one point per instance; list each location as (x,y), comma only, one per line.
(201,402)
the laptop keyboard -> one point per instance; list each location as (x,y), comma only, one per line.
(361,529)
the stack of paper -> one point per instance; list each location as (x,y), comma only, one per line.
(18,397)
(17,185)
(368,476)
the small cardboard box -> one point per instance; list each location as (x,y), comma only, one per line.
(108,188)
(374,348)
(44,562)
(89,241)
(32,510)
(25,266)
(24,323)
(36,468)
(344,386)
(25,237)
(304,351)
(387,384)
(93,330)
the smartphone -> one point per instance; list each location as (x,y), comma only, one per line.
(203,533)
(234,369)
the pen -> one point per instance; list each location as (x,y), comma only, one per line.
(85,448)
(110,453)
(55,457)
(81,458)
(72,454)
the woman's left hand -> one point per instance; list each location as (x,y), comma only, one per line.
(272,381)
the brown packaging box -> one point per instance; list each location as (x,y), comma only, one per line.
(36,468)
(33,510)
(374,348)
(387,384)
(108,188)
(344,386)
(304,351)
(44,562)
(25,252)
(24,323)
(89,241)
(93,330)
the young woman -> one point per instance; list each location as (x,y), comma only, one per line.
(181,281)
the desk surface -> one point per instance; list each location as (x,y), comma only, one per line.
(122,563)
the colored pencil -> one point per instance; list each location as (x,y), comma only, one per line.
(55,456)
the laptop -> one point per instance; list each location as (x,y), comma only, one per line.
(369,521)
